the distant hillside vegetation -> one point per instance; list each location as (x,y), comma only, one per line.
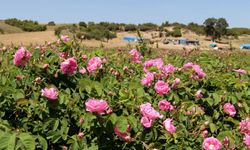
(9,29)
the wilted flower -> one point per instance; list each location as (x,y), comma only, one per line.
(97,106)
(21,57)
(169,126)
(69,66)
(229,109)
(19,77)
(161,87)
(94,64)
(211,143)
(50,93)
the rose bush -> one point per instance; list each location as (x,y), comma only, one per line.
(62,95)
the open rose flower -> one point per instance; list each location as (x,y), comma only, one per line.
(21,57)
(168,69)
(157,63)
(229,109)
(211,143)
(247,140)
(165,105)
(50,93)
(146,122)
(149,115)
(169,126)
(245,127)
(161,87)
(94,64)
(135,56)
(65,38)
(69,66)
(97,106)
(147,80)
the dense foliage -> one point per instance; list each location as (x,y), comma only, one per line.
(26,25)
(61,95)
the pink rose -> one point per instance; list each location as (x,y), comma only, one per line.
(135,56)
(97,106)
(204,134)
(158,63)
(147,80)
(84,57)
(65,38)
(94,64)
(229,109)
(21,57)
(245,126)
(188,65)
(69,66)
(125,69)
(199,71)
(123,135)
(211,143)
(80,135)
(50,93)
(168,69)
(247,140)
(165,105)
(241,71)
(64,55)
(169,126)
(162,88)
(83,70)
(146,122)
(148,111)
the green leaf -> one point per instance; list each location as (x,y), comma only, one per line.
(42,142)
(27,141)
(122,124)
(212,127)
(8,141)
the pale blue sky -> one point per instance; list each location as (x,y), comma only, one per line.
(237,12)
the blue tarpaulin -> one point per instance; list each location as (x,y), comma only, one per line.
(245,46)
(213,45)
(131,39)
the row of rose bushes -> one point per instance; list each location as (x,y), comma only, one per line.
(61,95)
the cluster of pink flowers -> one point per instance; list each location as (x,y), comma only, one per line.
(198,72)
(97,106)
(50,93)
(158,63)
(64,55)
(149,115)
(211,143)
(65,38)
(147,80)
(162,87)
(69,66)
(245,130)
(123,135)
(229,109)
(94,64)
(135,56)
(168,69)
(21,57)
(169,126)
(240,71)
(165,105)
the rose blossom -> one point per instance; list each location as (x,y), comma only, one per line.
(161,87)
(123,135)
(211,143)
(94,64)
(84,57)
(147,80)
(148,111)
(197,69)
(177,81)
(158,63)
(229,109)
(135,56)
(97,106)
(188,65)
(65,38)
(199,94)
(64,55)
(169,126)
(125,69)
(50,93)
(247,140)
(83,70)
(168,69)
(241,71)
(80,135)
(69,66)
(21,57)
(245,126)
(165,105)
(146,122)
(204,134)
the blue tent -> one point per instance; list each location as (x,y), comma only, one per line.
(245,46)
(131,39)
(213,45)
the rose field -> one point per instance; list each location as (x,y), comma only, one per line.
(62,95)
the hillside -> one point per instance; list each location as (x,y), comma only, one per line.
(9,29)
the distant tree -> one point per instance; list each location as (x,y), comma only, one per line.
(83,24)
(165,24)
(215,28)
(51,23)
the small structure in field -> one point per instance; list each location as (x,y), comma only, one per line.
(181,41)
(131,39)
(245,46)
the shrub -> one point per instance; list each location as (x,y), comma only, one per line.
(83,24)
(130,27)
(176,32)
(26,25)
(51,23)
(1,31)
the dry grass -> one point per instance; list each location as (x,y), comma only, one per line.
(9,29)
